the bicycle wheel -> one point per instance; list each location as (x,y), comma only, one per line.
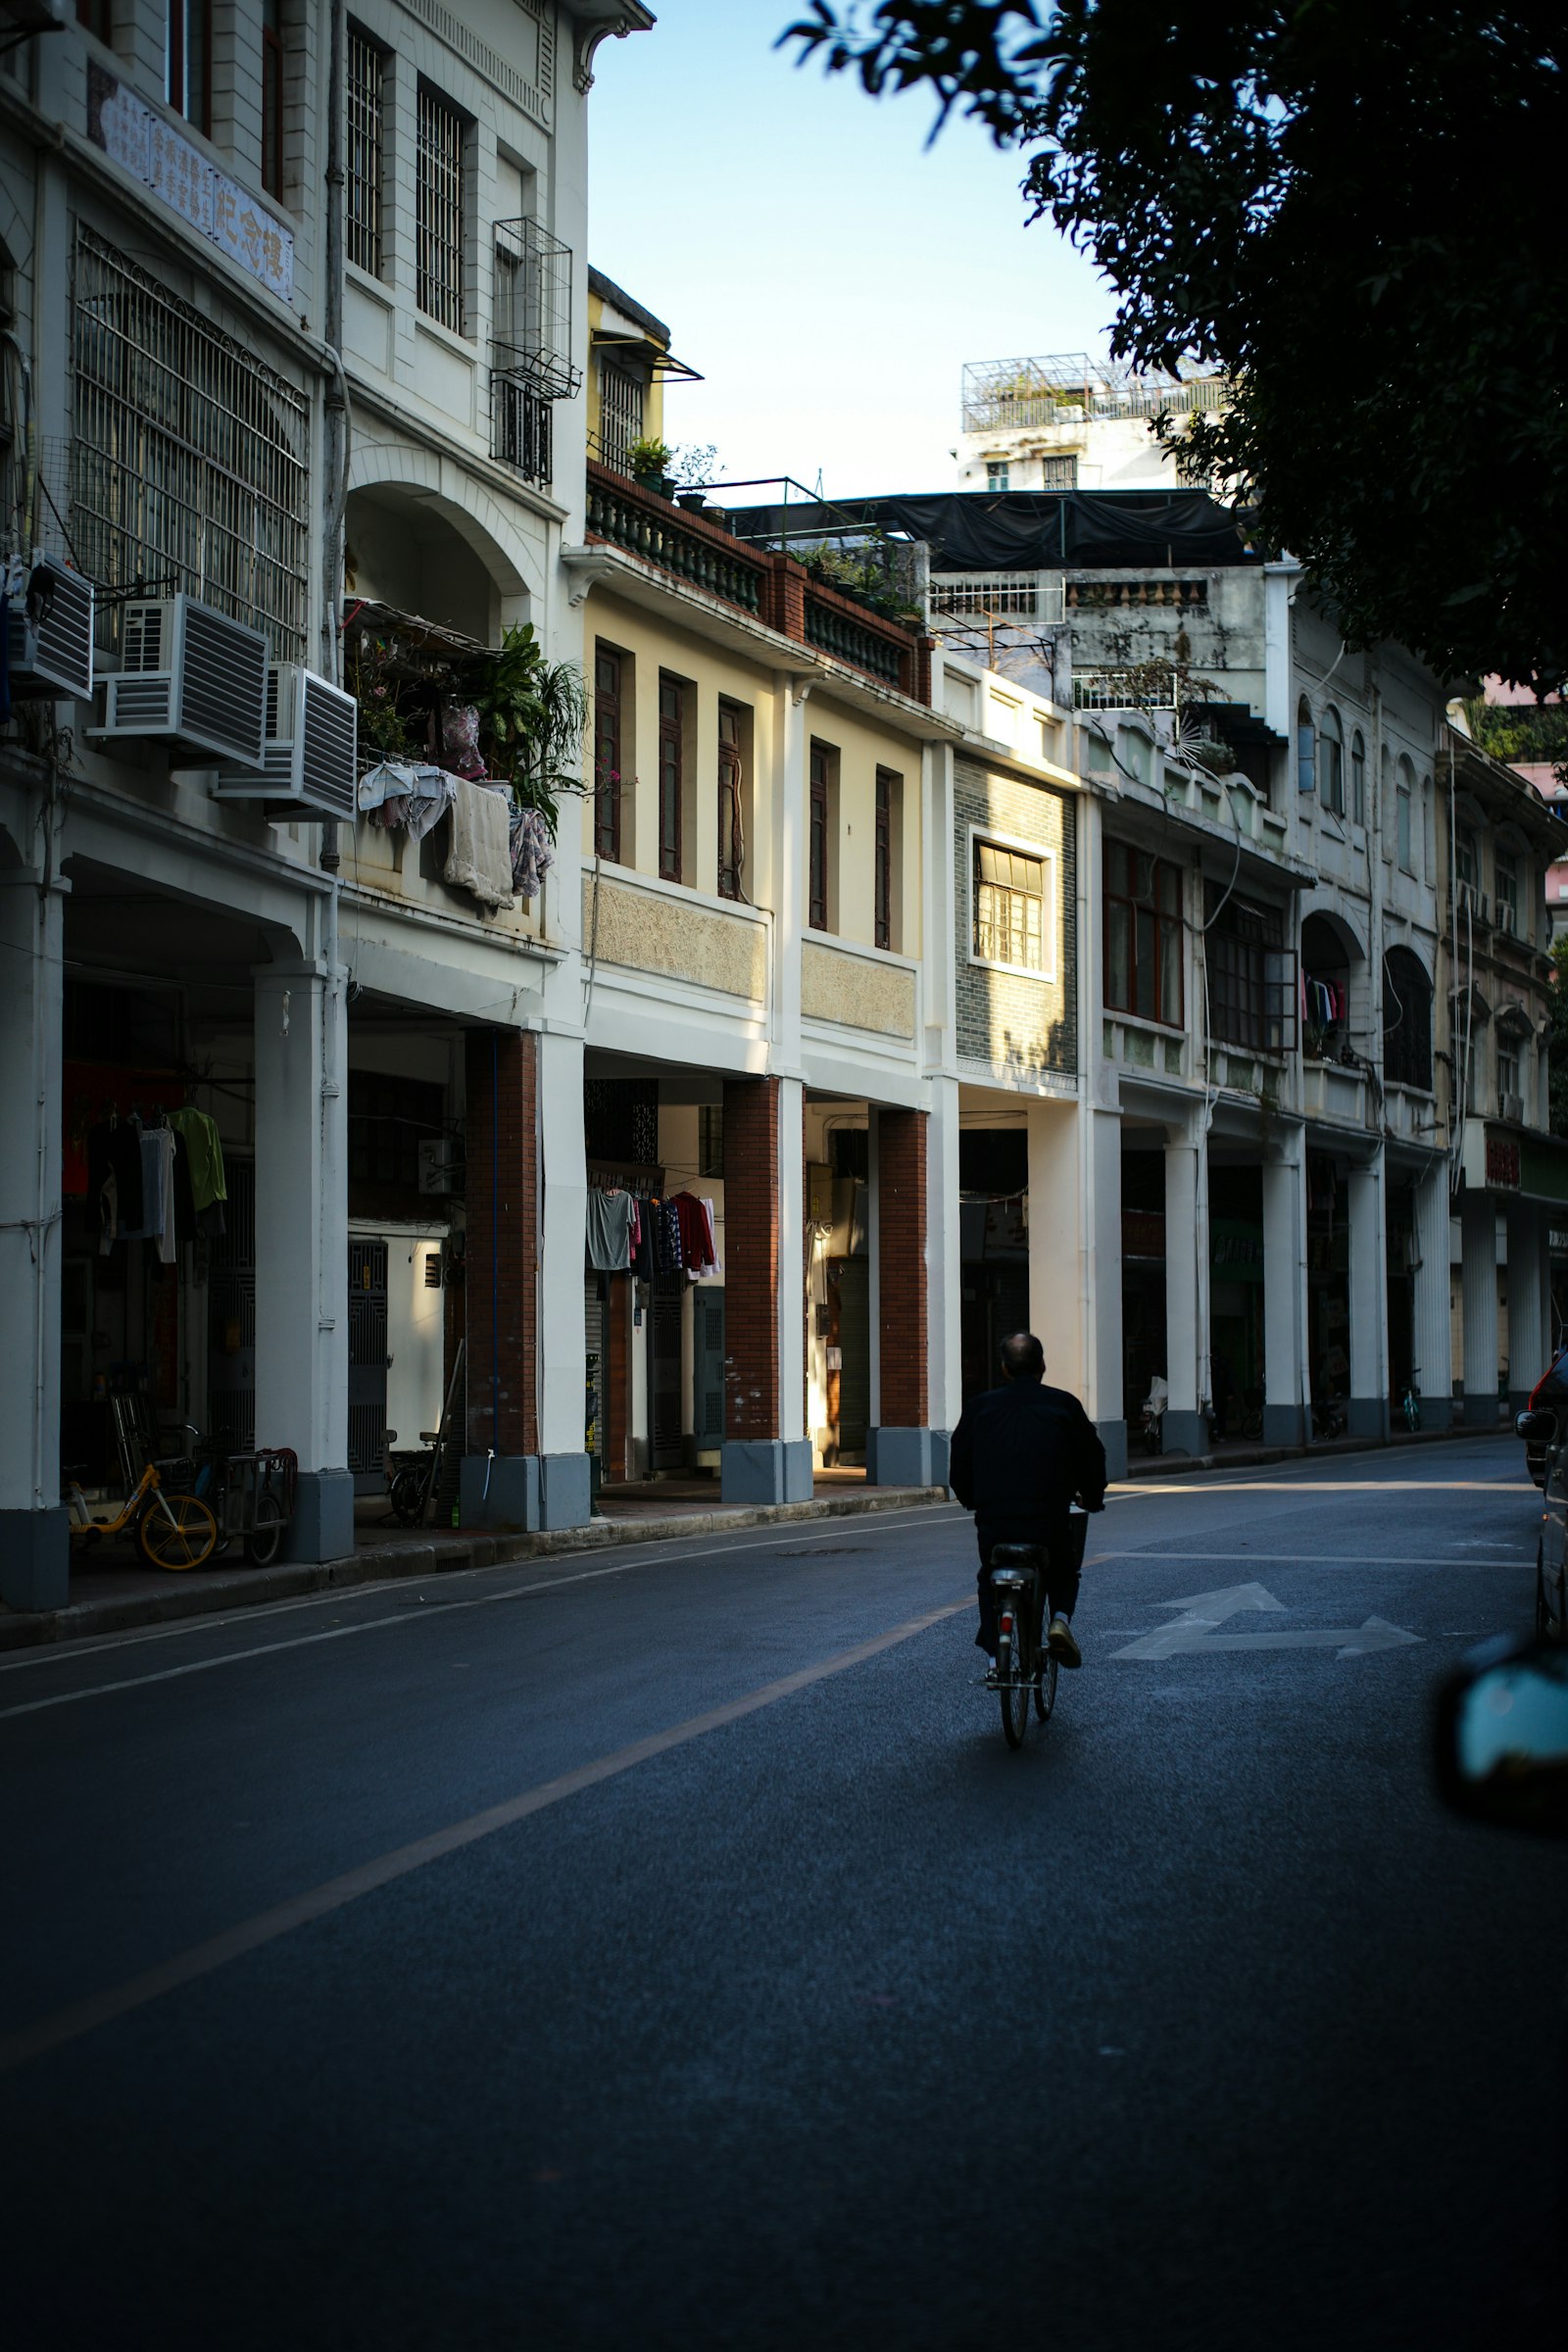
(407,1494)
(1045,1685)
(177,1532)
(1014,1689)
(263,1541)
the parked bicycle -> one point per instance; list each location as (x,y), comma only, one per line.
(1025,1672)
(1411,1405)
(175,1531)
(409,1477)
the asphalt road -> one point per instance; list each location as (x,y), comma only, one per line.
(662,1949)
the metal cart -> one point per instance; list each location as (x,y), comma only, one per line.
(257,1501)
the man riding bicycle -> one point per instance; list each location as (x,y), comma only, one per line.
(1021,1455)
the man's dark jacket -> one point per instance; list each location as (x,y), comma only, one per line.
(1021,1452)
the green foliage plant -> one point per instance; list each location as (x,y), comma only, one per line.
(649,459)
(531,716)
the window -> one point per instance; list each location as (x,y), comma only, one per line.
(522,433)
(1251,979)
(366,81)
(1507,906)
(440,213)
(731,819)
(819,844)
(1306,750)
(1358,779)
(710,1139)
(273,97)
(1058,474)
(1406,1020)
(1402,804)
(1143,935)
(97,15)
(671,774)
(620,413)
(1010,907)
(1330,762)
(190,463)
(1508,1103)
(886,852)
(388,1119)
(188,60)
(996,473)
(1466,858)
(608,769)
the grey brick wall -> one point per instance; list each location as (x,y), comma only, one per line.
(1025,1026)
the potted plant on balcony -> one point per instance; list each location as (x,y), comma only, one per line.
(691,467)
(648,464)
(531,716)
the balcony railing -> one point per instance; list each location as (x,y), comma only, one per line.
(772,587)
(1120,690)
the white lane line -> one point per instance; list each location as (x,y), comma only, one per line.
(1340,1485)
(1327,1560)
(81,2017)
(373,1625)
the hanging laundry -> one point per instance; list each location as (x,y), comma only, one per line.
(531,853)
(696,1235)
(114,1160)
(479,858)
(430,805)
(609,1220)
(204,1145)
(460,740)
(667,1253)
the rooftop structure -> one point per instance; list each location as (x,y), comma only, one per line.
(1066,422)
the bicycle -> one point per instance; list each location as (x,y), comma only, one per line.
(407,1485)
(1411,1405)
(1025,1670)
(175,1531)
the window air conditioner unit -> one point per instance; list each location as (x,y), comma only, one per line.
(1511,1106)
(52,655)
(312,742)
(192,675)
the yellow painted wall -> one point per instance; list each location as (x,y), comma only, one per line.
(863,748)
(652,393)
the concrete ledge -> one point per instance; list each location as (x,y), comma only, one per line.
(1257,1457)
(225,1588)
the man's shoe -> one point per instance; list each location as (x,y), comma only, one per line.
(1061,1644)
(990,1674)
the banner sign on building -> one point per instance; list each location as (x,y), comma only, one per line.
(206,199)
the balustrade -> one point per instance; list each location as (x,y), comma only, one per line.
(628,519)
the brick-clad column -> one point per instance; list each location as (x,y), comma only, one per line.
(501,1262)
(617,1378)
(761,1287)
(898,1450)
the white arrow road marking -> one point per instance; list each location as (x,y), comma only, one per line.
(1205,1612)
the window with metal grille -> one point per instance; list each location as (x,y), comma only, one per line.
(1059,474)
(671,774)
(531,327)
(272,96)
(607,752)
(1010,907)
(996,473)
(1406,1020)
(188,60)
(1143,935)
(888,790)
(388,1120)
(620,415)
(439,211)
(189,459)
(731,829)
(1358,779)
(523,435)
(366,90)
(1251,978)
(818,842)
(1505,902)
(711,1139)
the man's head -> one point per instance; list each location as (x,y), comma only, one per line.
(1022,1357)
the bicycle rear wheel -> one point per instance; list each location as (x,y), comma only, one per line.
(407,1495)
(1045,1685)
(176,1531)
(1012,1688)
(267,1534)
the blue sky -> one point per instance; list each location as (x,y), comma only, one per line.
(827,273)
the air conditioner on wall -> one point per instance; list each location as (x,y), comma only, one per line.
(191,675)
(51,655)
(1511,1106)
(312,744)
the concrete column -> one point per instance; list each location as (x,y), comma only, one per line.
(1057,1242)
(1527,1338)
(945,1370)
(899,1447)
(1285,1396)
(1368,1413)
(1477,1228)
(767,1456)
(1103,1401)
(34,1543)
(500,1471)
(1186,1344)
(565,1496)
(302,1239)
(1431,1341)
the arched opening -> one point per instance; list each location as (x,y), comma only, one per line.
(1306,747)
(420,556)
(1330,761)
(1406,1020)
(1328,954)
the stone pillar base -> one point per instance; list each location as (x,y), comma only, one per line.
(905,1457)
(1437,1413)
(766,1470)
(1183,1432)
(322,1525)
(36,1558)
(566,1489)
(499,1492)
(1113,1437)
(1480,1412)
(1367,1418)
(1284,1425)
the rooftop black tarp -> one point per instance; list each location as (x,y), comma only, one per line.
(1026,531)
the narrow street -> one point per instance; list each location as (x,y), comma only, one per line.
(827,2022)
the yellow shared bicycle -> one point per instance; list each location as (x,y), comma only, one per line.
(175,1531)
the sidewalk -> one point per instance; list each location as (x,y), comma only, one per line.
(120,1591)
(1245,1454)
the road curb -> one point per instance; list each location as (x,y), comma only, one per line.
(230,1588)
(1257,1457)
